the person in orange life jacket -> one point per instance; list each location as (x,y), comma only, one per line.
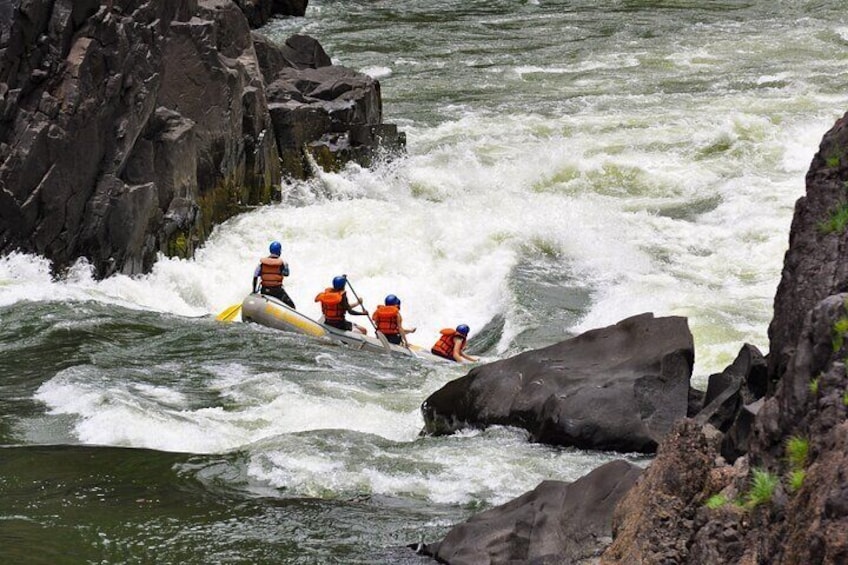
(334,306)
(451,344)
(389,322)
(270,274)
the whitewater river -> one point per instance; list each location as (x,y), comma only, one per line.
(570,163)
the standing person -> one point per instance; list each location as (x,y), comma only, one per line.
(334,306)
(389,321)
(452,343)
(271,272)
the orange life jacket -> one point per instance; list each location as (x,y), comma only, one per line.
(270,270)
(332,304)
(386,318)
(444,347)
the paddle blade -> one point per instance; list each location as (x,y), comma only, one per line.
(384,340)
(229,314)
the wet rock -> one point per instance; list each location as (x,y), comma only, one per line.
(617,388)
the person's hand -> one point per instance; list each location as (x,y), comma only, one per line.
(411,330)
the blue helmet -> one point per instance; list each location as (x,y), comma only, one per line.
(462,329)
(275,248)
(339,282)
(392,300)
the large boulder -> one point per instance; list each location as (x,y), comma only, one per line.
(557,522)
(617,388)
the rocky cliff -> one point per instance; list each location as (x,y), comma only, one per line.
(130,128)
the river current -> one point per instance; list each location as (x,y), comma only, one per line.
(570,164)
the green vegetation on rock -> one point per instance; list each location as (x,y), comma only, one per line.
(762,488)
(716,501)
(797,452)
(796,479)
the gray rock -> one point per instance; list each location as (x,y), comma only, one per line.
(616,388)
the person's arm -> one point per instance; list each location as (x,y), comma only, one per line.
(458,354)
(285,269)
(349,308)
(403,331)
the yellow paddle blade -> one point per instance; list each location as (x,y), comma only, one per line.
(229,314)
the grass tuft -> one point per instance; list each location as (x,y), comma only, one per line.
(762,488)
(840,329)
(716,501)
(797,452)
(814,386)
(796,479)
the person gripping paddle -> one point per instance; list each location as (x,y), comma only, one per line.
(335,305)
(390,323)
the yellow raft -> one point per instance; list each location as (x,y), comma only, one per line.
(270,312)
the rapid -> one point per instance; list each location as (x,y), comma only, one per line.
(569,164)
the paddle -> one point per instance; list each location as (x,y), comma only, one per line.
(229,314)
(377,332)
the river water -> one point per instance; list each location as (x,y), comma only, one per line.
(569,164)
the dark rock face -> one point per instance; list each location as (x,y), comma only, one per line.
(132,131)
(556,522)
(323,112)
(617,388)
(731,400)
(655,520)
(814,266)
(128,133)
(258,12)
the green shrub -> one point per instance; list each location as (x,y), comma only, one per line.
(797,452)
(716,501)
(845,398)
(814,386)
(796,479)
(836,222)
(762,488)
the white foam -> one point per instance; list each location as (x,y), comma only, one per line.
(377,72)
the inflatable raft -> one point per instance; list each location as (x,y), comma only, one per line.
(272,313)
